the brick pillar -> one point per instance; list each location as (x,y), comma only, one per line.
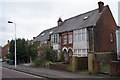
(74,63)
(91,58)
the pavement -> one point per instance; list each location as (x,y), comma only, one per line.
(49,73)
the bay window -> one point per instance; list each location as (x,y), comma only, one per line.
(80,35)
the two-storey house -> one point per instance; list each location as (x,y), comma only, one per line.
(93,31)
(90,32)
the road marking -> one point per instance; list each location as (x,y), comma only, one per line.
(24,73)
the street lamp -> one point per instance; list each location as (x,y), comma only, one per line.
(15,40)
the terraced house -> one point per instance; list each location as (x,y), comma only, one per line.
(90,32)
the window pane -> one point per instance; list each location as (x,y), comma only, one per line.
(83,30)
(56,38)
(79,51)
(65,39)
(70,38)
(75,37)
(83,37)
(79,37)
(52,38)
(75,51)
(111,36)
(84,51)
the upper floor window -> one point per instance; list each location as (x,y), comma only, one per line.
(111,37)
(75,36)
(69,38)
(55,38)
(80,35)
(64,39)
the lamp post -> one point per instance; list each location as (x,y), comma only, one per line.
(15,40)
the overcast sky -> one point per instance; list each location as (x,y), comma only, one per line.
(34,16)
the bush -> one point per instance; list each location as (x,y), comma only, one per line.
(51,55)
(39,62)
(48,63)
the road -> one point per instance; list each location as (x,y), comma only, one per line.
(8,73)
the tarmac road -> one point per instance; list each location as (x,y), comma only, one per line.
(8,73)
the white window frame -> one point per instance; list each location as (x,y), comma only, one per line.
(55,38)
(81,52)
(75,37)
(64,39)
(70,38)
(80,35)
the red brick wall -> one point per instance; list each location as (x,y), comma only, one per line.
(5,50)
(104,27)
(62,40)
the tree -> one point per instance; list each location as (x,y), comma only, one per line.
(31,50)
(11,50)
(24,51)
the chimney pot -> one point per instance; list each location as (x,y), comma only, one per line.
(8,41)
(34,37)
(59,21)
(101,6)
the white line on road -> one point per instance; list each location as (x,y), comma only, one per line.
(23,73)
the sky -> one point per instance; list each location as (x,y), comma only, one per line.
(33,16)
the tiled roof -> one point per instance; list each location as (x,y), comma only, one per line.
(43,36)
(87,19)
(83,20)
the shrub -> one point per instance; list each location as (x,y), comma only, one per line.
(39,62)
(48,63)
(51,54)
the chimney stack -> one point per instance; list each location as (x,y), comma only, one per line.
(34,37)
(8,41)
(59,21)
(100,6)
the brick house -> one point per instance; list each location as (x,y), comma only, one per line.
(90,32)
(93,31)
(5,50)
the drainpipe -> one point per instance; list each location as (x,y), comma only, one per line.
(118,43)
(93,39)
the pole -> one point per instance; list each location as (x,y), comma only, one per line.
(15,46)
(15,43)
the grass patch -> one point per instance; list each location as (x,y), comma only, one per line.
(105,68)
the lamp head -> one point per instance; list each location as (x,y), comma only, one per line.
(10,22)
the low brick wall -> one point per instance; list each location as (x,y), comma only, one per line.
(62,67)
(115,68)
(73,66)
(99,62)
(105,57)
